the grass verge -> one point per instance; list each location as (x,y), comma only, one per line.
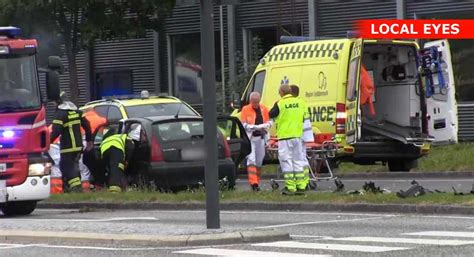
(263,196)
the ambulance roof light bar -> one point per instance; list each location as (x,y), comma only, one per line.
(10,32)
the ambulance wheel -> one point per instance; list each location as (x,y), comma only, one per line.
(18,208)
(312,185)
(274,184)
(402,165)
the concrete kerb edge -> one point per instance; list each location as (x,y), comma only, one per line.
(261,206)
(234,237)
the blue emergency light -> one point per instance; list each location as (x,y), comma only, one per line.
(8,134)
(10,31)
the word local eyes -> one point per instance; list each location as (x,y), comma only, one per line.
(411,29)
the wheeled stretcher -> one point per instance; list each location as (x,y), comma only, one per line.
(318,155)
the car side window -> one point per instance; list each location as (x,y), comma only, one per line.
(114,114)
(101,110)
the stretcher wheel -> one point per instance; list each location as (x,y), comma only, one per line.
(274,184)
(312,185)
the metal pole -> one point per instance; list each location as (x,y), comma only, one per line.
(221,21)
(210,114)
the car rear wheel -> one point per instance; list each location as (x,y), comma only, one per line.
(19,208)
(402,165)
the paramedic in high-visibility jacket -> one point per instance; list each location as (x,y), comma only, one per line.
(256,121)
(308,136)
(289,113)
(67,124)
(116,151)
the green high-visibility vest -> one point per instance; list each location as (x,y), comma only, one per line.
(289,122)
(118,141)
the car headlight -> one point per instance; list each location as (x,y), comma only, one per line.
(39,169)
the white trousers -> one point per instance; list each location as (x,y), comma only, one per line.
(290,155)
(55,153)
(255,158)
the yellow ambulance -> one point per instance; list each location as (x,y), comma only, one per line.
(408,117)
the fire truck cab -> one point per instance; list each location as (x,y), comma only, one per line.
(24,138)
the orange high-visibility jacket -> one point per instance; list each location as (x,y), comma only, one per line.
(367,89)
(95,120)
(248,114)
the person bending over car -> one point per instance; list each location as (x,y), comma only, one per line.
(116,151)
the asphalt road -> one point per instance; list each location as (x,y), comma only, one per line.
(314,234)
(392,184)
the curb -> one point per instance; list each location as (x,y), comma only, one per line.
(261,206)
(235,237)
(384,175)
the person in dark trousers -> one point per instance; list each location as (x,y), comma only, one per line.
(116,151)
(67,125)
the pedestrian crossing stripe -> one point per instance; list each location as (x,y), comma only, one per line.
(405,240)
(244,253)
(442,234)
(305,51)
(329,246)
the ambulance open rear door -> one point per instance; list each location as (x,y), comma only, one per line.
(353,119)
(439,83)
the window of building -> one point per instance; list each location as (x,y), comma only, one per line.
(117,82)
(261,40)
(187,71)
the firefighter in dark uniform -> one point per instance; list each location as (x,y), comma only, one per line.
(116,151)
(67,124)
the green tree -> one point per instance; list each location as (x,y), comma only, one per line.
(77,23)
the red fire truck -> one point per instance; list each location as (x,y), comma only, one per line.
(24,138)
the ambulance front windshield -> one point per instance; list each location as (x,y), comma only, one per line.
(19,88)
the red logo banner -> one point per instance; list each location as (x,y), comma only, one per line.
(417,29)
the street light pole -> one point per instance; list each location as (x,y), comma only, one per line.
(210,114)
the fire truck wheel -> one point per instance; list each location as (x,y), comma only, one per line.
(18,208)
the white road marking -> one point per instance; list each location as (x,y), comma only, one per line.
(309,236)
(442,233)
(14,246)
(405,240)
(323,222)
(244,253)
(277,212)
(92,219)
(337,247)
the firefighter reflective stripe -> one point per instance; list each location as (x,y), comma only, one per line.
(74,182)
(70,150)
(303,51)
(115,189)
(58,122)
(70,126)
(71,123)
(290,182)
(73,115)
(117,141)
(121,166)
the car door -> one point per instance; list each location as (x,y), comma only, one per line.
(441,101)
(140,157)
(236,137)
(353,94)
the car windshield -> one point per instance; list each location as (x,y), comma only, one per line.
(151,110)
(18,83)
(181,130)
